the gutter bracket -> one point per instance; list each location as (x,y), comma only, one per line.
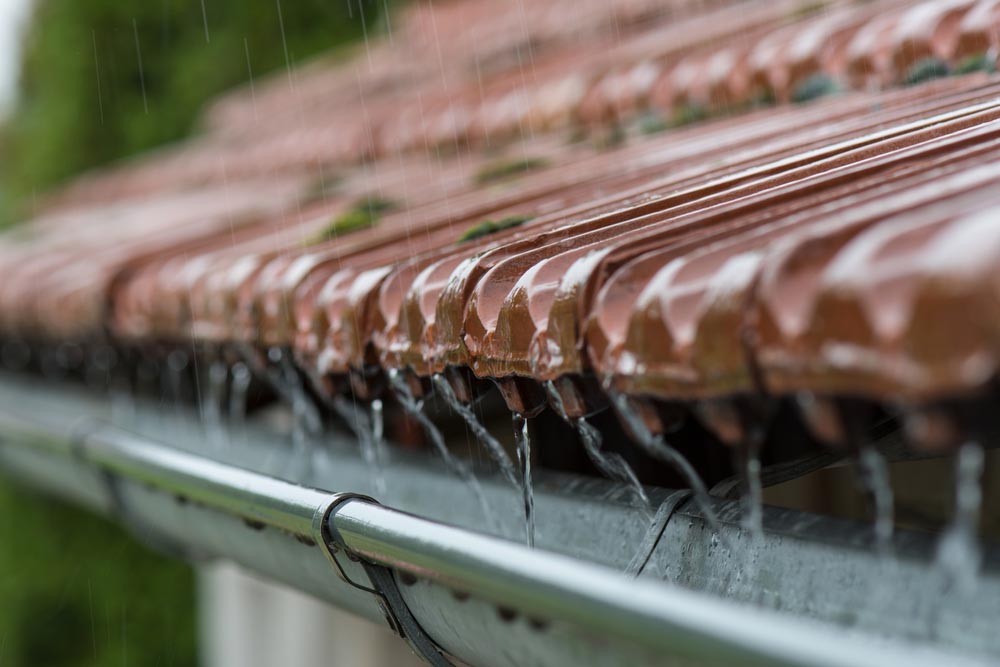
(657,525)
(383,583)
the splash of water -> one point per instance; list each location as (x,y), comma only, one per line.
(658,448)
(493,446)
(875,477)
(523,440)
(611,464)
(958,552)
(415,409)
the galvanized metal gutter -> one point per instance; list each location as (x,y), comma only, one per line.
(485,600)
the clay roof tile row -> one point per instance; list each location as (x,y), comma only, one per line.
(840,248)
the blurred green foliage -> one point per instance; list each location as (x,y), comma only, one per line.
(85,100)
(76,591)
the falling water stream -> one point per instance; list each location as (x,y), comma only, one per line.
(610,464)
(122,391)
(493,446)
(177,362)
(414,408)
(875,477)
(374,456)
(521,482)
(753,498)
(240,385)
(352,416)
(657,447)
(522,438)
(306,421)
(147,376)
(958,550)
(218,377)
(369,431)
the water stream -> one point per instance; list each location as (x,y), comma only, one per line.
(122,391)
(414,408)
(658,448)
(875,477)
(306,421)
(753,498)
(611,464)
(522,438)
(239,386)
(352,416)
(218,377)
(373,452)
(958,551)
(369,431)
(493,446)
(177,362)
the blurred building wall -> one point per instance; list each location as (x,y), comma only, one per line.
(245,621)
(13,14)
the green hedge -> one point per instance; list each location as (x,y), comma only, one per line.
(76,591)
(84,103)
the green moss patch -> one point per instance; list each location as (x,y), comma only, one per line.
(364,214)
(613,137)
(488,227)
(927,69)
(502,170)
(688,114)
(815,87)
(807,9)
(762,97)
(652,123)
(980,63)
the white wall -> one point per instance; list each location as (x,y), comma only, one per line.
(13,14)
(247,622)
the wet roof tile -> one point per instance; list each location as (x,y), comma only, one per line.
(710,240)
